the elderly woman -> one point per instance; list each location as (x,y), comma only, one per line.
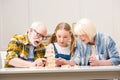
(94,48)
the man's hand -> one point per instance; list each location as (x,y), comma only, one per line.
(39,62)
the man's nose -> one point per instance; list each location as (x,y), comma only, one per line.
(41,38)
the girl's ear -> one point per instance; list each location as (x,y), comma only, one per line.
(71,34)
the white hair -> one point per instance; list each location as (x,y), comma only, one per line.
(85,26)
(34,25)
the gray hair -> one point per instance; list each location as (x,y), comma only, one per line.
(85,26)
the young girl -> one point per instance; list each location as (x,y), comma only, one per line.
(61,45)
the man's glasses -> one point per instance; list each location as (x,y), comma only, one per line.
(38,34)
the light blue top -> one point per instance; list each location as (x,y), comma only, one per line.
(105,49)
(31,54)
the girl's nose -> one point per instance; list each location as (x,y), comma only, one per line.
(61,39)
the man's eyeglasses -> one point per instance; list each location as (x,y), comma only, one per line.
(38,34)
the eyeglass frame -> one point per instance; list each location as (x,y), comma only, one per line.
(39,35)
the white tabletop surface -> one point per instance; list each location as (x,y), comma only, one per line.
(49,70)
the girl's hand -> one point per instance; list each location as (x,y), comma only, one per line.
(60,61)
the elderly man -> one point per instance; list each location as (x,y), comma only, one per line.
(27,50)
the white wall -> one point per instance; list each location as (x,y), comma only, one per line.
(53,12)
(100,11)
(116,21)
(15,19)
(17,15)
(0,22)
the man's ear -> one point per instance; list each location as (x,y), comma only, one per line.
(30,30)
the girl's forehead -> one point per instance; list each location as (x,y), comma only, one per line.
(63,33)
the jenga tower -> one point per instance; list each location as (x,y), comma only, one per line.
(50,63)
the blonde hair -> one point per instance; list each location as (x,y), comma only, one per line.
(66,27)
(85,26)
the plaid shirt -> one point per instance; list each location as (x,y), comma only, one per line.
(105,49)
(19,47)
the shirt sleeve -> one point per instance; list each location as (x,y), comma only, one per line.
(113,53)
(12,50)
(76,56)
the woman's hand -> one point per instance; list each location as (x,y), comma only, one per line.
(93,61)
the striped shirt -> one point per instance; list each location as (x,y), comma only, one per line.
(105,49)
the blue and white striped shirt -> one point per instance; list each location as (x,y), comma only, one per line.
(105,48)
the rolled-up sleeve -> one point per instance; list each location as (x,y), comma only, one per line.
(77,57)
(113,53)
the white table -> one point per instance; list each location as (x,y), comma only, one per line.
(81,73)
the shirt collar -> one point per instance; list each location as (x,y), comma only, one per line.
(26,41)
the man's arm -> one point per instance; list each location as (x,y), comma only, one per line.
(17,62)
